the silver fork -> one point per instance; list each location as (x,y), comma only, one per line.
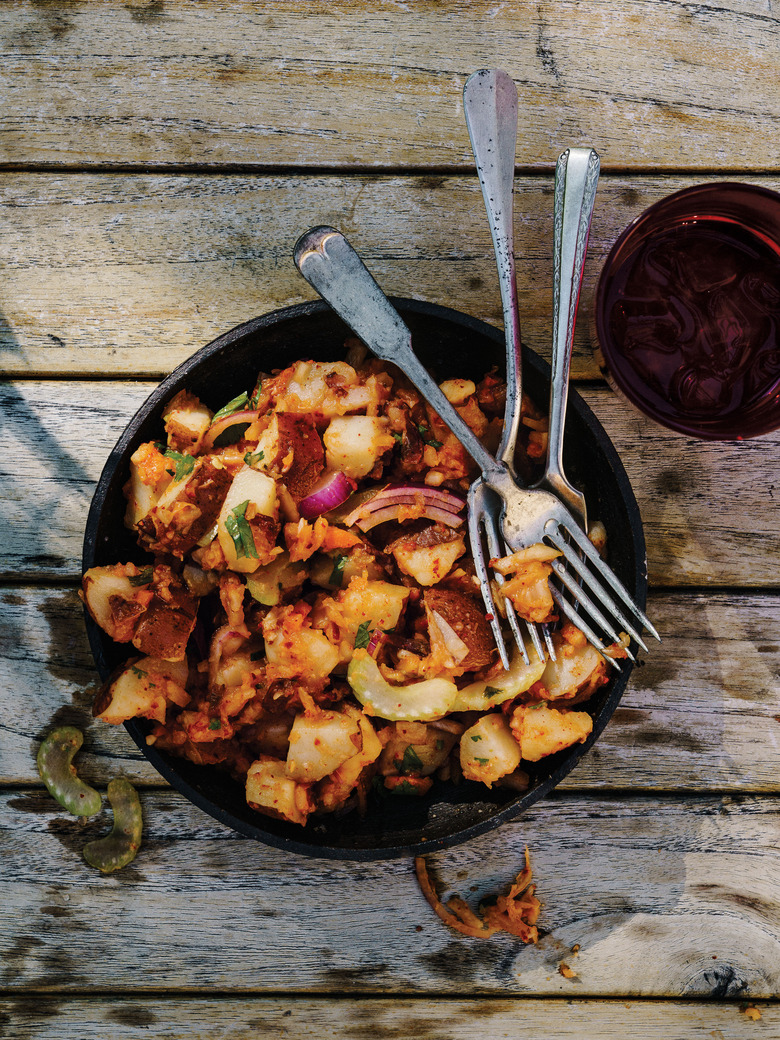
(490,108)
(330,264)
(576,180)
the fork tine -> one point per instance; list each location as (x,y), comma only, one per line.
(552,531)
(597,589)
(582,625)
(475,537)
(584,600)
(496,547)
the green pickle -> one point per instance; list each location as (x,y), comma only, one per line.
(119,847)
(55,765)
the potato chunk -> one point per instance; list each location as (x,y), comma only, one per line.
(571,670)
(247,524)
(271,791)
(143,690)
(186,421)
(354,443)
(488,750)
(374,604)
(542,731)
(320,743)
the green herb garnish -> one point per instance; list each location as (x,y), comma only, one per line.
(215,724)
(337,574)
(363,636)
(144,578)
(482,761)
(493,691)
(250,459)
(411,762)
(423,430)
(475,737)
(232,406)
(139,673)
(185,464)
(237,526)
(404,788)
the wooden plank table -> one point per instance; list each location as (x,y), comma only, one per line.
(158,159)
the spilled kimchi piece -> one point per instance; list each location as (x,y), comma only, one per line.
(516,912)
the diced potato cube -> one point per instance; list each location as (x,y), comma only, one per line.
(542,731)
(186,421)
(270,790)
(307,652)
(334,789)
(571,670)
(377,604)
(353,443)
(320,743)
(143,690)
(112,599)
(488,750)
(428,564)
(458,391)
(259,491)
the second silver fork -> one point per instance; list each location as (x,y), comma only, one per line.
(490,108)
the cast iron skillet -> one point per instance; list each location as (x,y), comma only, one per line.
(450,344)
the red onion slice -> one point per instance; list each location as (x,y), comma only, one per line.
(438,504)
(332,490)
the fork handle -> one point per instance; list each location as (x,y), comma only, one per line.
(576,179)
(329,263)
(490,108)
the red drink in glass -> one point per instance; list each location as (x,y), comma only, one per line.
(688,311)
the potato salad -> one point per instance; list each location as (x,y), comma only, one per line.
(304,613)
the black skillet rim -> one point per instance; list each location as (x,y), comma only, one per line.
(168,766)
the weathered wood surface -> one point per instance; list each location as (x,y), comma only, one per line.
(663,85)
(708,508)
(313,1018)
(670,897)
(701,714)
(127,275)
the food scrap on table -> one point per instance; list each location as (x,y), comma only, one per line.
(515,912)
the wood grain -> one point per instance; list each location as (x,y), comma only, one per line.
(660,85)
(313,1018)
(120,275)
(669,896)
(701,714)
(708,508)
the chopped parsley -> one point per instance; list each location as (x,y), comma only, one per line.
(139,673)
(337,574)
(250,459)
(404,788)
(144,578)
(363,636)
(232,406)
(423,430)
(185,464)
(475,737)
(397,437)
(215,724)
(238,528)
(411,762)
(493,691)
(482,761)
